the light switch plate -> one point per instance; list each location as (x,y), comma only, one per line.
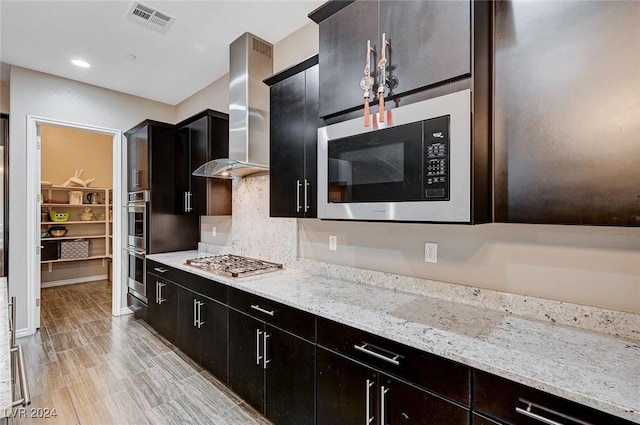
(430,252)
(214,231)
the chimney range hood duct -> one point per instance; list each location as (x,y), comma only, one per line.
(250,62)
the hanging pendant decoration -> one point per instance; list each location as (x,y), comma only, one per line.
(382,67)
(366,83)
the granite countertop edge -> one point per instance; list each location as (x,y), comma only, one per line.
(580,369)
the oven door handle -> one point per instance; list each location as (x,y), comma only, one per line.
(136,253)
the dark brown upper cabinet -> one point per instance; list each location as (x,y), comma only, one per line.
(429,44)
(201,138)
(293,140)
(567,120)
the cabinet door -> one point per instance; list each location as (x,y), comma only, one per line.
(188,335)
(401,403)
(290,379)
(342,389)
(213,337)
(167,310)
(154,315)
(286,177)
(429,41)
(183,177)
(343,45)
(481,420)
(200,144)
(141,142)
(246,368)
(311,125)
(132,176)
(566,145)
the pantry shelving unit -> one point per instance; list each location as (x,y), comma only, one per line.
(98,233)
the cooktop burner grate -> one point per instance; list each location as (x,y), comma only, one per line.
(233,265)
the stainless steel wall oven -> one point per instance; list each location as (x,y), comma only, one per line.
(137,212)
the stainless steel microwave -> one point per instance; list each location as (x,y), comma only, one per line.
(414,166)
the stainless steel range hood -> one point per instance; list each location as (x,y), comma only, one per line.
(250,62)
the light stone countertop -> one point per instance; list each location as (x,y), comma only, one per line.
(5,356)
(593,369)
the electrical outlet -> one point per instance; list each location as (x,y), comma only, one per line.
(214,231)
(430,252)
(333,243)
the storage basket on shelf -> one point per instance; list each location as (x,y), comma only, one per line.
(78,248)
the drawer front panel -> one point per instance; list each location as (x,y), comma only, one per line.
(442,376)
(499,398)
(201,285)
(288,318)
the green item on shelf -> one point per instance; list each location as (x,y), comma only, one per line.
(58,217)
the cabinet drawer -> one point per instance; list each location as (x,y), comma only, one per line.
(288,318)
(442,376)
(162,270)
(201,285)
(498,397)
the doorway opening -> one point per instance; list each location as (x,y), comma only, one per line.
(75,179)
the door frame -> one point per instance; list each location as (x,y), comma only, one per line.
(33,214)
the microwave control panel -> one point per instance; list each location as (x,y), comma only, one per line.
(436,159)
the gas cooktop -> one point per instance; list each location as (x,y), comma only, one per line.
(233,265)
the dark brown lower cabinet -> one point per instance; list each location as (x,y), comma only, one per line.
(349,392)
(162,310)
(202,331)
(246,371)
(272,370)
(481,420)
(511,403)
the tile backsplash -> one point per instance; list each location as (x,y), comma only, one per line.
(251,232)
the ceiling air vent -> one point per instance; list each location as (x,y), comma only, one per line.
(150,17)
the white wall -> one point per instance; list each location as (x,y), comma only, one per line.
(44,95)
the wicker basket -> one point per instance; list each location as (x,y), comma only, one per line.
(74,249)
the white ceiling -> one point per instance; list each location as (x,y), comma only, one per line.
(46,35)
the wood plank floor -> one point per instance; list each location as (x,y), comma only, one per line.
(97,369)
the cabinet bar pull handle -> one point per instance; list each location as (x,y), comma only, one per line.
(189,209)
(24,383)
(527,412)
(393,360)
(186,203)
(383,391)
(535,416)
(160,270)
(262,310)
(298,186)
(159,292)
(368,419)
(258,356)
(200,322)
(306,195)
(195,313)
(264,346)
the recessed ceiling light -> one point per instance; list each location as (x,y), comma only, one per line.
(80,63)
(131,56)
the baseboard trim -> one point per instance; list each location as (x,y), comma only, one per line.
(21,333)
(63,282)
(125,310)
